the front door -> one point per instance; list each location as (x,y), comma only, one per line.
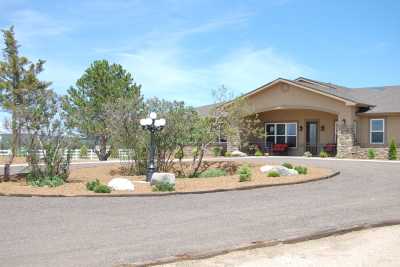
(312,137)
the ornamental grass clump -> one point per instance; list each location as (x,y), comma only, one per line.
(323,154)
(273,174)
(213,172)
(287,165)
(301,170)
(244,173)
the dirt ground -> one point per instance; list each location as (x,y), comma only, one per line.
(373,247)
(76,184)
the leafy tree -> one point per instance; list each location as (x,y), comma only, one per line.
(236,118)
(122,118)
(176,133)
(85,103)
(18,79)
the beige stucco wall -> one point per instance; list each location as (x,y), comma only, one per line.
(282,95)
(392,129)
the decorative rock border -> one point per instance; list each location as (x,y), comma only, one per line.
(250,187)
(263,244)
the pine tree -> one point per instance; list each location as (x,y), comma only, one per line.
(392,150)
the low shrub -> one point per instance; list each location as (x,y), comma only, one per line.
(217,151)
(228,154)
(301,169)
(179,154)
(258,153)
(244,173)
(163,187)
(97,187)
(50,181)
(273,174)
(371,153)
(102,188)
(323,154)
(392,150)
(213,172)
(287,165)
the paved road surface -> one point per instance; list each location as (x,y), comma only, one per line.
(110,231)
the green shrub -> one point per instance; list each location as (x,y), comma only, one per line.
(392,150)
(83,152)
(244,173)
(287,165)
(217,151)
(50,181)
(102,188)
(301,169)
(92,184)
(213,172)
(163,187)
(273,174)
(195,152)
(97,187)
(114,153)
(323,154)
(371,153)
(228,154)
(258,153)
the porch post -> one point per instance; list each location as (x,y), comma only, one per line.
(345,135)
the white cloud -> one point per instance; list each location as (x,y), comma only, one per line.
(164,73)
(30,23)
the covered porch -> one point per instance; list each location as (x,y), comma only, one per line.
(295,131)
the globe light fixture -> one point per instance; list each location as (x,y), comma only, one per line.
(152,125)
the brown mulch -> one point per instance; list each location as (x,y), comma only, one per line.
(79,176)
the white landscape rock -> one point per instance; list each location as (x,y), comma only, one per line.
(162,177)
(283,171)
(121,184)
(238,153)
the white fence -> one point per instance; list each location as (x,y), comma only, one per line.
(123,154)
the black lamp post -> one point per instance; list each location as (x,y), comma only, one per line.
(152,125)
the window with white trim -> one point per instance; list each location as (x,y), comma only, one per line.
(377,131)
(281,133)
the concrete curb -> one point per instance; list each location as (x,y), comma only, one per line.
(250,187)
(262,244)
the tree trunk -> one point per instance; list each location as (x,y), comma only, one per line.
(14,144)
(102,154)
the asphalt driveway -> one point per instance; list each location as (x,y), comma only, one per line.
(111,231)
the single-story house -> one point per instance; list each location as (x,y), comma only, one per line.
(309,115)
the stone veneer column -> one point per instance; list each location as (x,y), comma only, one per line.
(345,141)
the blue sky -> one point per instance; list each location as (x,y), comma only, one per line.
(183,49)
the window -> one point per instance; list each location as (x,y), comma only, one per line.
(377,131)
(281,133)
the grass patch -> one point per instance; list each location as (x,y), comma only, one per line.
(213,172)
(273,174)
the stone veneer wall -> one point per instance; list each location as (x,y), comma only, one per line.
(381,152)
(188,150)
(345,142)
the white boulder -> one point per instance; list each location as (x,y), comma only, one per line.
(283,171)
(121,184)
(162,177)
(238,153)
